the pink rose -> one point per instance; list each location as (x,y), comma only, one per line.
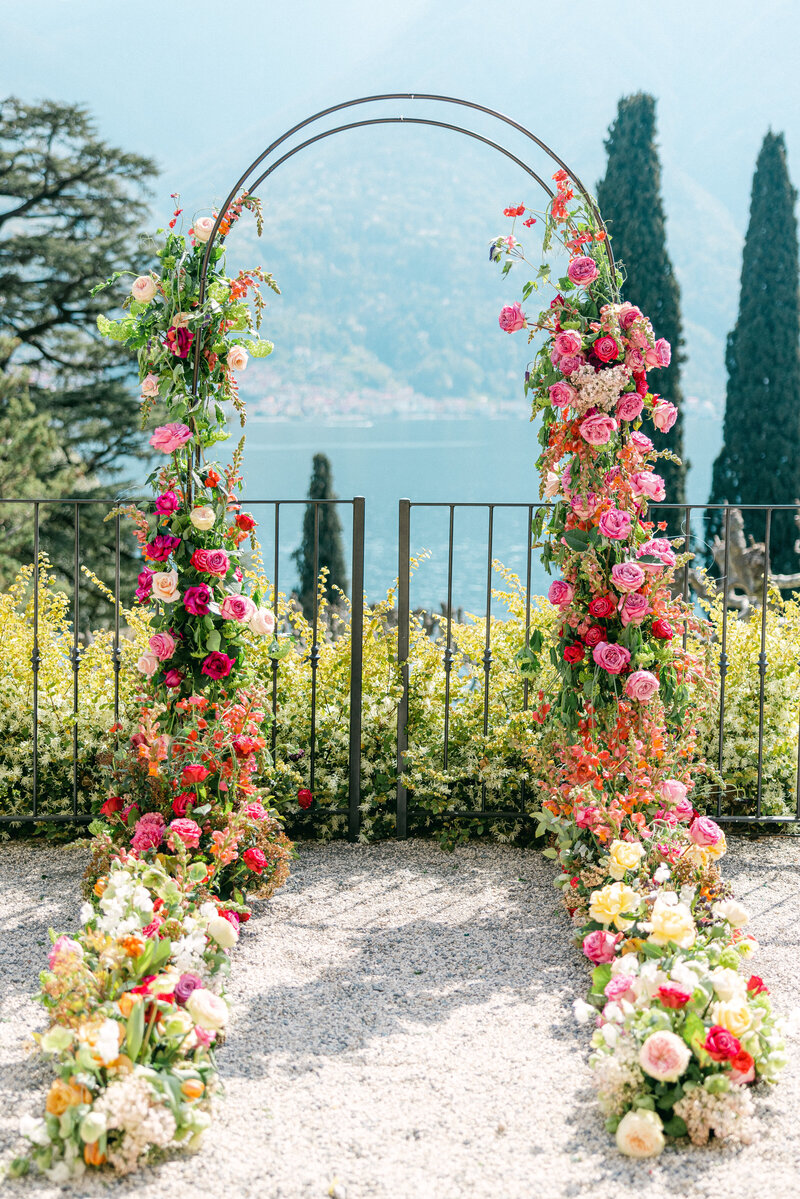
(147,664)
(162,645)
(664,416)
(567,343)
(569,365)
(671,790)
(584,506)
(633,608)
(143,289)
(561,394)
(512,318)
(600,946)
(217,665)
(666,817)
(642,442)
(630,406)
(169,438)
(641,685)
(188,831)
(561,593)
(705,831)
(664,1055)
(627,576)
(210,562)
(647,483)
(657,547)
(617,986)
(611,657)
(597,428)
(149,832)
(65,952)
(237,358)
(582,271)
(663,352)
(628,313)
(615,524)
(237,607)
(167,503)
(262,622)
(149,386)
(683,809)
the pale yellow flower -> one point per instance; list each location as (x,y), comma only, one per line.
(733,1014)
(622,856)
(607,905)
(671,922)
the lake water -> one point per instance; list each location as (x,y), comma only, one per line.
(473,461)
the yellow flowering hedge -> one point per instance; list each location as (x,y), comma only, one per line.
(502,760)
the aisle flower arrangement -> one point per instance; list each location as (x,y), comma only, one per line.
(136,998)
(681,1027)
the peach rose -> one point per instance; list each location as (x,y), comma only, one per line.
(237,358)
(165,586)
(148,664)
(202,227)
(143,289)
(664,1056)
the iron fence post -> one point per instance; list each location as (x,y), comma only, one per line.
(403,621)
(356,668)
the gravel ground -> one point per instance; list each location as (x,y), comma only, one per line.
(403,1029)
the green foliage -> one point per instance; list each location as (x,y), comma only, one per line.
(629,197)
(760,458)
(330,553)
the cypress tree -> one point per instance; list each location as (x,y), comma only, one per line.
(759,462)
(330,555)
(629,198)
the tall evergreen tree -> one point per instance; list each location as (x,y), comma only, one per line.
(760,458)
(629,197)
(70,206)
(330,554)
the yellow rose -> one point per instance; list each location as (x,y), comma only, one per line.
(671,922)
(718,848)
(607,905)
(733,1014)
(622,856)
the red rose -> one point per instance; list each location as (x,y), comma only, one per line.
(673,996)
(602,605)
(113,804)
(594,635)
(245,522)
(255,859)
(755,986)
(606,348)
(181,803)
(194,773)
(721,1045)
(305,798)
(173,678)
(574,653)
(743,1062)
(662,629)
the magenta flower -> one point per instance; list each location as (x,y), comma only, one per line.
(145,585)
(149,832)
(160,548)
(196,599)
(217,665)
(167,503)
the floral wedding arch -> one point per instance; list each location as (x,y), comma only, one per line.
(135,999)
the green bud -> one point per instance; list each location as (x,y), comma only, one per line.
(717,1084)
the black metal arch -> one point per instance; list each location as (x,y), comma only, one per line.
(242,181)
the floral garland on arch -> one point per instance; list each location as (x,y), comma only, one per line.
(682,1029)
(135,999)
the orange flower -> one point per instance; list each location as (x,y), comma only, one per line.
(92,1155)
(193,1088)
(132,945)
(126,1003)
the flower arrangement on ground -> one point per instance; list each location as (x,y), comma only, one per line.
(136,998)
(681,1030)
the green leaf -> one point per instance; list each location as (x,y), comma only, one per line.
(577,540)
(213,641)
(675,1127)
(134,1034)
(601,976)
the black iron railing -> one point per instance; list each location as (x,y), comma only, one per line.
(349,805)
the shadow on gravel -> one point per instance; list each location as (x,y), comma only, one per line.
(400,975)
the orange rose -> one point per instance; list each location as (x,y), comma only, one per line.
(59,1097)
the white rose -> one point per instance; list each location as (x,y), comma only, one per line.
(262,622)
(93,1125)
(203,518)
(207,1009)
(223,932)
(728,983)
(237,358)
(143,289)
(583,1012)
(640,1134)
(202,227)
(148,664)
(34,1129)
(734,912)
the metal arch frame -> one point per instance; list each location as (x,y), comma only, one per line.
(241,182)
